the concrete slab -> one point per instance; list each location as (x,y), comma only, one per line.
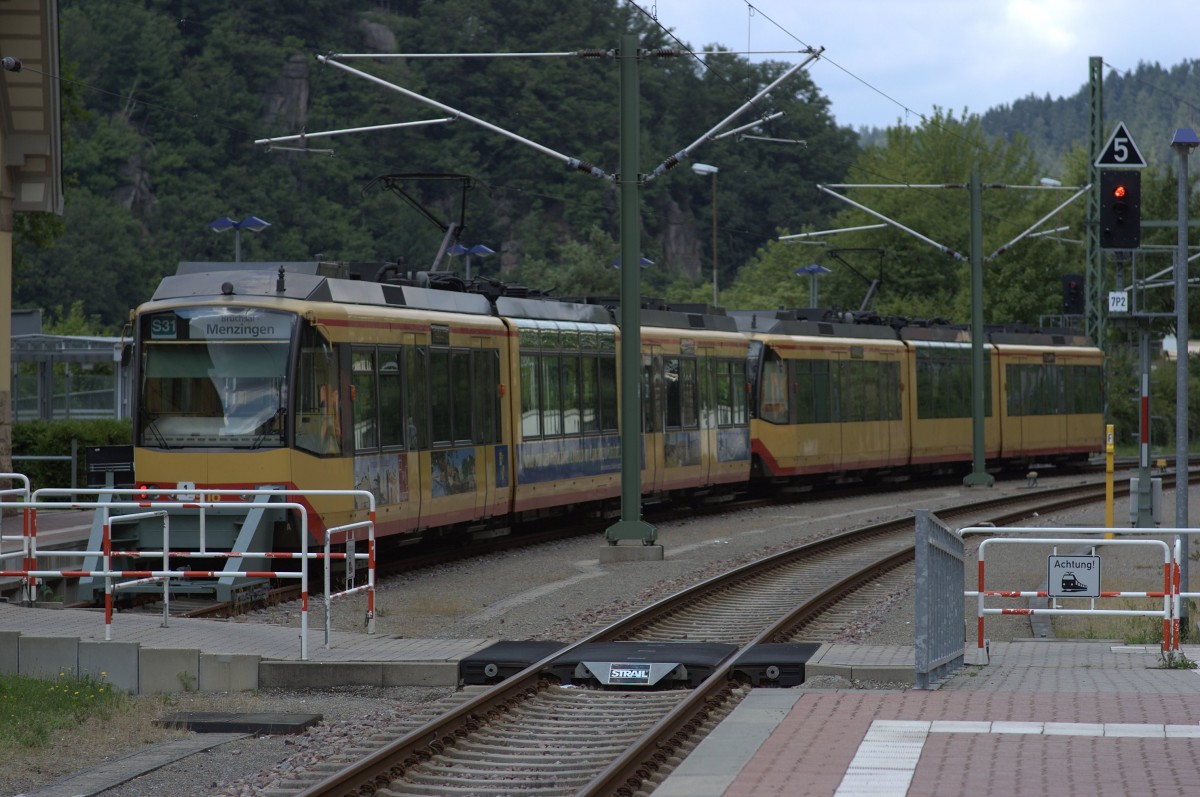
(114,663)
(420,673)
(167,670)
(260,723)
(110,774)
(321,675)
(635,552)
(228,672)
(9,662)
(48,657)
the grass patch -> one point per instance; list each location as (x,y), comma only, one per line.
(31,710)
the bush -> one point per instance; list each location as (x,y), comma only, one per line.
(49,439)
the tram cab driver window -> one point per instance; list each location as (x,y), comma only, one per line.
(320,424)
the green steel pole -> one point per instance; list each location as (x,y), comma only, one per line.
(630,526)
(979,475)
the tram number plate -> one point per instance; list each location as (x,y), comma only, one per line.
(629,673)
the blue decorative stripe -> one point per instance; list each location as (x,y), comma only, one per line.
(733,445)
(568,458)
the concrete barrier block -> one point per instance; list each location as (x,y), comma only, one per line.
(166,670)
(630,552)
(9,661)
(228,672)
(420,673)
(114,663)
(318,674)
(47,657)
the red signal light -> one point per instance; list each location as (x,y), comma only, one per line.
(1119,192)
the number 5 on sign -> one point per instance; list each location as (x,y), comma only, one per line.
(1118,302)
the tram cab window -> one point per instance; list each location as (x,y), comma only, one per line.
(363,395)
(392,425)
(318,403)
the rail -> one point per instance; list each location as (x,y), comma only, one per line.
(28,554)
(1170,593)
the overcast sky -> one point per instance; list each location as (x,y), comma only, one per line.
(885,56)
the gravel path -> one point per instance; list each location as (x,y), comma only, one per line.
(553,591)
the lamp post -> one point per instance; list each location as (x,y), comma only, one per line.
(251,223)
(478,249)
(813,271)
(704,168)
(1183,142)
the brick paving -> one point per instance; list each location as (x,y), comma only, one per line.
(1043,718)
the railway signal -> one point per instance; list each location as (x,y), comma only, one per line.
(1120,209)
(1073,302)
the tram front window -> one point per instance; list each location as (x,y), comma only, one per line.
(204,384)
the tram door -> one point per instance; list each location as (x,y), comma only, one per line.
(652,420)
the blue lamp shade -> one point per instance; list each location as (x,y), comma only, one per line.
(1185,137)
(477,249)
(252,223)
(813,269)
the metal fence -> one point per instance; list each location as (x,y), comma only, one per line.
(940,582)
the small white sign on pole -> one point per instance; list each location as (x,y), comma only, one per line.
(1073,576)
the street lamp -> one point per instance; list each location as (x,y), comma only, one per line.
(1183,142)
(251,223)
(704,168)
(813,272)
(478,249)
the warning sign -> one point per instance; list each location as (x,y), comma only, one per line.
(1073,576)
(1120,152)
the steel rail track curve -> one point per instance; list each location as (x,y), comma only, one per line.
(406,765)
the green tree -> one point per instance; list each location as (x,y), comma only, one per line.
(1021,282)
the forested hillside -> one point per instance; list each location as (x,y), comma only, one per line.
(1152,100)
(163,102)
(162,113)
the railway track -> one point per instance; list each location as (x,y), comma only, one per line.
(536,733)
(542,532)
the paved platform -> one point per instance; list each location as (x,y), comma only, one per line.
(144,657)
(1042,717)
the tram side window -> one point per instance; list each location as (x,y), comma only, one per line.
(737,376)
(649,400)
(589,394)
(689,395)
(570,394)
(774,402)
(417,382)
(391,411)
(724,395)
(823,394)
(671,379)
(1084,389)
(318,428)
(551,396)
(890,384)
(439,395)
(485,365)
(460,372)
(608,394)
(366,412)
(531,407)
